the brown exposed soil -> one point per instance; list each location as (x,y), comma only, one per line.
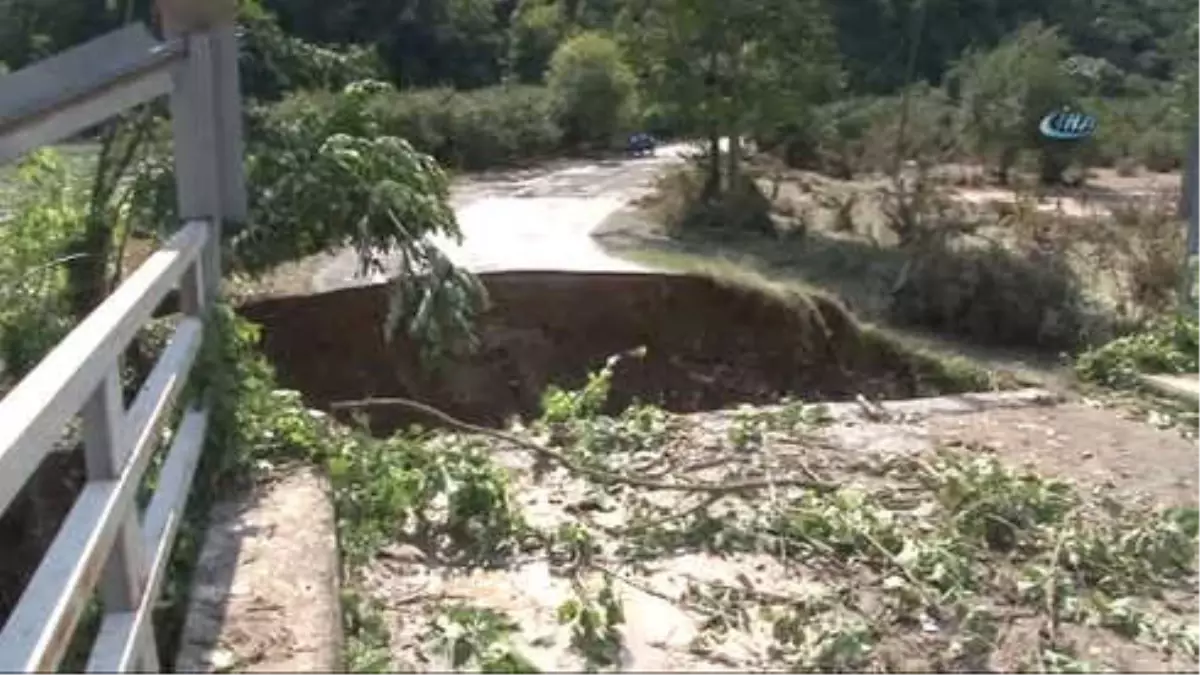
(708,344)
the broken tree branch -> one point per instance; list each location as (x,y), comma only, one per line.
(811,481)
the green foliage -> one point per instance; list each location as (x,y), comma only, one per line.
(477,129)
(536,29)
(858,135)
(327,174)
(47,215)
(1148,130)
(736,68)
(942,538)
(1005,91)
(323,177)
(275,62)
(441,490)
(993,295)
(367,648)
(479,638)
(595,626)
(457,42)
(563,405)
(467,130)
(593,88)
(1168,345)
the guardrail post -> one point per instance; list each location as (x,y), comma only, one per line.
(106,448)
(206,112)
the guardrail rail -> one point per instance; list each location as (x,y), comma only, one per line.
(106,542)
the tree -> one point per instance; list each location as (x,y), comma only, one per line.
(594,88)
(274,62)
(1004,92)
(732,68)
(537,28)
(423,42)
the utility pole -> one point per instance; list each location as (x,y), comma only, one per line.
(916,31)
(1190,210)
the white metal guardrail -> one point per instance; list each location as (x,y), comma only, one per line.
(105,543)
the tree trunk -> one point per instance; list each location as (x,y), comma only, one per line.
(1007,159)
(734,159)
(87,275)
(712,186)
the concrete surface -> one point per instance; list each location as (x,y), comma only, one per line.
(539,220)
(265,595)
(1183,387)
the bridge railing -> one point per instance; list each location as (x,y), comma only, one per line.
(106,542)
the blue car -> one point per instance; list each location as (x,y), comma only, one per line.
(641,144)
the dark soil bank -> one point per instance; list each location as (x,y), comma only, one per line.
(709,344)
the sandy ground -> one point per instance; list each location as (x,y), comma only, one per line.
(535,220)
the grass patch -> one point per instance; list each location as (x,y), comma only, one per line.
(947,371)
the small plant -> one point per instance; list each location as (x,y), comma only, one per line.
(822,641)
(367,648)
(1168,345)
(595,626)
(481,638)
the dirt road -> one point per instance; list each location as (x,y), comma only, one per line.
(536,220)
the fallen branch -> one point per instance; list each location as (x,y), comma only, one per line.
(599,475)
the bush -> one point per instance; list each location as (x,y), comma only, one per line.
(48,214)
(593,88)
(1005,91)
(1162,150)
(468,130)
(991,294)
(1167,345)
(1154,250)
(274,62)
(682,206)
(858,135)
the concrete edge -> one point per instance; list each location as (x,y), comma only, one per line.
(1173,386)
(266,593)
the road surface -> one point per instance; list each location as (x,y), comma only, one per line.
(535,220)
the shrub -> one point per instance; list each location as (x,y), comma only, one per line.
(48,214)
(682,205)
(593,88)
(468,130)
(1167,345)
(1161,150)
(991,294)
(1003,92)
(858,135)
(536,30)
(274,62)
(1154,250)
